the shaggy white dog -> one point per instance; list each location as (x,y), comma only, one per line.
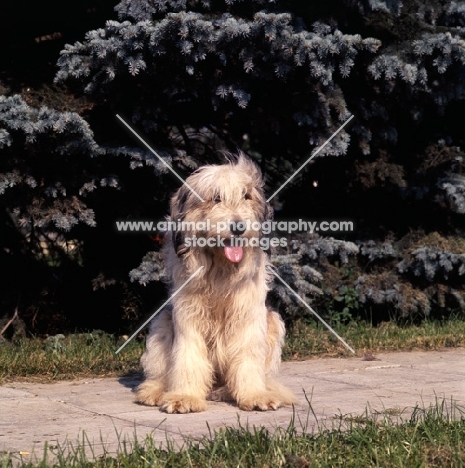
(218,340)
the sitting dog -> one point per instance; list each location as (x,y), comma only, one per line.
(217,340)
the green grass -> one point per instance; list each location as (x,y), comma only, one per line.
(60,357)
(93,354)
(432,437)
(310,340)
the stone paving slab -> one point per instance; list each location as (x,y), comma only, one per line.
(102,409)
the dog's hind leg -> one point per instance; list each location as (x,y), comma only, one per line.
(156,360)
(275,342)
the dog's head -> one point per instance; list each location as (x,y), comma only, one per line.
(229,221)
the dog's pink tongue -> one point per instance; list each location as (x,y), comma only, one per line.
(233,254)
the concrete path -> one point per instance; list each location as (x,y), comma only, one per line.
(103,408)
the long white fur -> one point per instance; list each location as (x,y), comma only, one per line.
(218,340)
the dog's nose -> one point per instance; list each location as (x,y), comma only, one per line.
(237,228)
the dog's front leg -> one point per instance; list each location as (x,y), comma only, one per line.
(246,375)
(190,376)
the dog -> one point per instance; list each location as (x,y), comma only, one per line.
(218,340)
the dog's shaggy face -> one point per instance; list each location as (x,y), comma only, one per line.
(230,216)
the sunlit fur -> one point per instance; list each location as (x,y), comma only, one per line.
(217,340)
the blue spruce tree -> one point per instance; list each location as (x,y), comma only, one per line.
(276,79)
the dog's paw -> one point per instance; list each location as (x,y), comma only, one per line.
(176,403)
(149,393)
(262,401)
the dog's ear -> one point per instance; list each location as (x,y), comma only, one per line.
(267,216)
(269,212)
(179,243)
(178,205)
